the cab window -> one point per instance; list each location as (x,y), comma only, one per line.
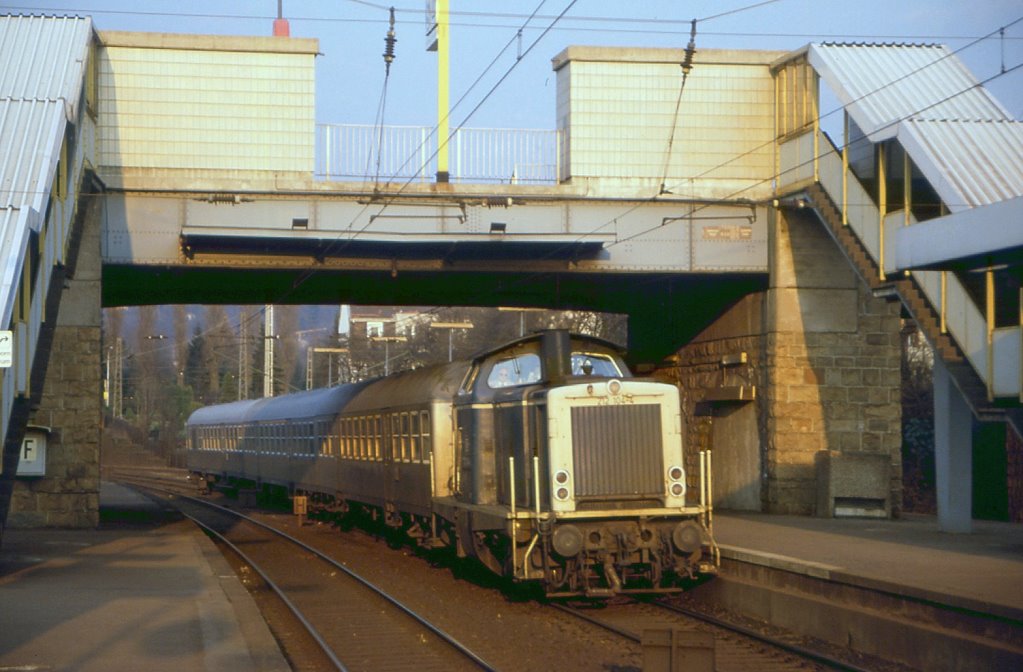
(593,364)
(518,370)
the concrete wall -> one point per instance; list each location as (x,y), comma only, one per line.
(70,404)
(728,426)
(205,105)
(832,375)
(811,366)
(616,107)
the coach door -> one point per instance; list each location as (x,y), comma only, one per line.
(392,460)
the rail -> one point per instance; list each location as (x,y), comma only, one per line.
(364,153)
(996,354)
(457,646)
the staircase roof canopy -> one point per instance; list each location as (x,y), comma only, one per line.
(969,148)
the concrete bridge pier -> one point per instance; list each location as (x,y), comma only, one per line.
(67,394)
(796,390)
(953,453)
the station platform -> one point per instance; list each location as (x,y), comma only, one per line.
(146,591)
(910,557)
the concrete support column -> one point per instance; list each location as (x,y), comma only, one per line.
(71,400)
(953,453)
(830,379)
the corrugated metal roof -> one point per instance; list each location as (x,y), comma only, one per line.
(44,58)
(883,84)
(41,82)
(14,226)
(40,86)
(969,163)
(30,136)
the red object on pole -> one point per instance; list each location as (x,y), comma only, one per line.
(281,28)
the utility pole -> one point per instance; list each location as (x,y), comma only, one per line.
(243,356)
(330,364)
(119,378)
(451,326)
(268,351)
(387,340)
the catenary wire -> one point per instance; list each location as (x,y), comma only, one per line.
(749,7)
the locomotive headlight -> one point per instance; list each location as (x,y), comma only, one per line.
(561,479)
(614,387)
(567,541)
(675,485)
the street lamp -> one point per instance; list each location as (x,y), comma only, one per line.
(309,364)
(451,326)
(387,340)
(522,316)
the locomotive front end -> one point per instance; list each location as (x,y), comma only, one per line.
(619,518)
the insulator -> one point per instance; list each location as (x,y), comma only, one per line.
(390,41)
(687,60)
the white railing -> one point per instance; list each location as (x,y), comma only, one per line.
(409,153)
(996,357)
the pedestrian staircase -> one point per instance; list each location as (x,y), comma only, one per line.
(984,359)
(47,148)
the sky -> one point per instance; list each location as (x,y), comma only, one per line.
(504,81)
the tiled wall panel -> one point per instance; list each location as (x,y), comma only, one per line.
(203,109)
(620,116)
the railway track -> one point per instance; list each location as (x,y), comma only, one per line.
(356,625)
(736,647)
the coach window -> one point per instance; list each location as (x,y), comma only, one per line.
(360,437)
(427,446)
(414,438)
(406,437)
(378,433)
(395,437)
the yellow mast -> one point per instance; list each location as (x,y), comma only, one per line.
(443,85)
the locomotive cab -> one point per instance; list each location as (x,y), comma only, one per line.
(572,470)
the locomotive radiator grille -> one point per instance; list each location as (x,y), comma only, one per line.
(617,451)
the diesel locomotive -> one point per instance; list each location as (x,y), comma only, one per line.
(545,459)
